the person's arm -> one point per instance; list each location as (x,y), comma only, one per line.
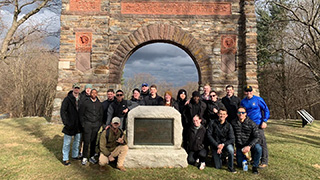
(263,106)
(110,114)
(210,138)
(132,104)
(64,112)
(103,144)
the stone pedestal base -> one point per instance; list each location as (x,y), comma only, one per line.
(152,158)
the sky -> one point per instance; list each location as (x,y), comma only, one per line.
(166,62)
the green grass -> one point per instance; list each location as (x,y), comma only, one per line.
(30,148)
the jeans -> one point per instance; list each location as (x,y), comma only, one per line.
(263,143)
(66,146)
(216,158)
(256,152)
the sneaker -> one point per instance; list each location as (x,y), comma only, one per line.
(102,168)
(232,170)
(122,168)
(262,166)
(255,170)
(93,160)
(84,161)
(202,166)
(66,163)
(197,162)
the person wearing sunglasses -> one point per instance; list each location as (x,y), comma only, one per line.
(213,106)
(246,139)
(259,113)
(120,108)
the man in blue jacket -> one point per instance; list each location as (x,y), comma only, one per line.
(259,113)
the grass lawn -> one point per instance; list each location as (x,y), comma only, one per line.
(31,149)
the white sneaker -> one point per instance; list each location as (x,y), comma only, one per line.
(197,161)
(202,166)
(84,161)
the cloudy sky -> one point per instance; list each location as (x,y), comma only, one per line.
(164,61)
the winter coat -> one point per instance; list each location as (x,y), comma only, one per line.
(196,138)
(105,105)
(70,115)
(115,109)
(157,101)
(91,112)
(108,145)
(139,101)
(192,109)
(232,104)
(246,133)
(209,114)
(218,133)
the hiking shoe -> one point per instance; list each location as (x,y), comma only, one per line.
(84,161)
(202,166)
(255,170)
(232,170)
(262,166)
(66,163)
(102,168)
(93,160)
(122,168)
(76,158)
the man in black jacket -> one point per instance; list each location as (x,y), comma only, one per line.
(195,106)
(247,137)
(153,99)
(213,107)
(232,103)
(72,127)
(120,109)
(197,143)
(144,90)
(91,113)
(105,104)
(221,138)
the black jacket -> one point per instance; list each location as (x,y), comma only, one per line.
(246,133)
(91,112)
(139,101)
(232,104)
(209,114)
(196,138)
(192,109)
(143,95)
(157,101)
(115,109)
(70,115)
(105,105)
(220,133)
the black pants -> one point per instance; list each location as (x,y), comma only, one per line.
(263,143)
(193,155)
(90,132)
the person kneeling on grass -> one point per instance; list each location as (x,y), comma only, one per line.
(196,143)
(113,143)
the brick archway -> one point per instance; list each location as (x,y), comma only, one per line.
(160,33)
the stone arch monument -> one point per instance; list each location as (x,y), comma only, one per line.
(98,36)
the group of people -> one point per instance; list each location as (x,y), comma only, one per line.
(209,124)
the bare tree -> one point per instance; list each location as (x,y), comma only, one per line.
(22,11)
(303,42)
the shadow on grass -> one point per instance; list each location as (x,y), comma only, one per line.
(289,123)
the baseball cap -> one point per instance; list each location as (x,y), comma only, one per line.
(76,85)
(144,84)
(248,89)
(88,86)
(115,120)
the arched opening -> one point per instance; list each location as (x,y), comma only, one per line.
(163,61)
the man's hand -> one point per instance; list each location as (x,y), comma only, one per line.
(111,158)
(125,111)
(263,125)
(120,140)
(215,110)
(107,127)
(246,149)
(220,147)
(187,102)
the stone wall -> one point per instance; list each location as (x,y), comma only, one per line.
(98,36)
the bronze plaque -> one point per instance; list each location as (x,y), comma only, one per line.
(149,131)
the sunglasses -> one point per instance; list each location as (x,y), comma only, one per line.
(241,112)
(213,95)
(119,94)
